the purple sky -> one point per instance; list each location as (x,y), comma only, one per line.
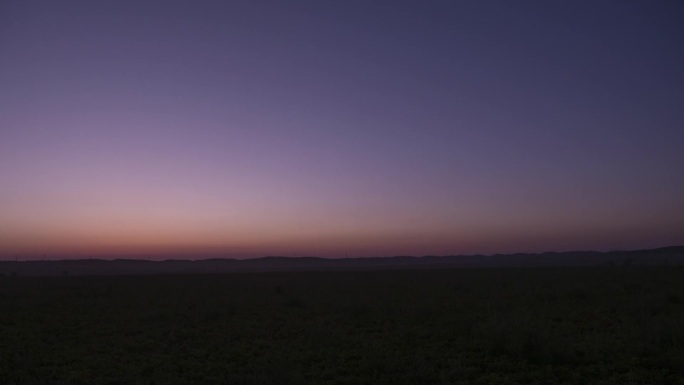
(332,128)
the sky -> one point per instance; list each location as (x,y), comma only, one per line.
(195,129)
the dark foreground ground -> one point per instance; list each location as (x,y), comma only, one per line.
(600,325)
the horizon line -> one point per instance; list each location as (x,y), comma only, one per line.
(16,258)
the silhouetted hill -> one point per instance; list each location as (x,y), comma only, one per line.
(673,255)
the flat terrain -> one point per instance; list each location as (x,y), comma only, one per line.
(598,325)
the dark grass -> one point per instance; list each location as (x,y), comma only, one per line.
(481,326)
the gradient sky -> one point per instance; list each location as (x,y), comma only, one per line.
(339,128)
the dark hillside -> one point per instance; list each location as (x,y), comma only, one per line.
(655,257)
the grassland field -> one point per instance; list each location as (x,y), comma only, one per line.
(594,325)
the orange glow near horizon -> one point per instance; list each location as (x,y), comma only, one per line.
(161,235)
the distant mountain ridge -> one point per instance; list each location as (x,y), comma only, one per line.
(671,255)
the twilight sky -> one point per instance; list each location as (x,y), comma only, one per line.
(361,128)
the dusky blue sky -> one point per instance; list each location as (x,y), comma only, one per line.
(333,128)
